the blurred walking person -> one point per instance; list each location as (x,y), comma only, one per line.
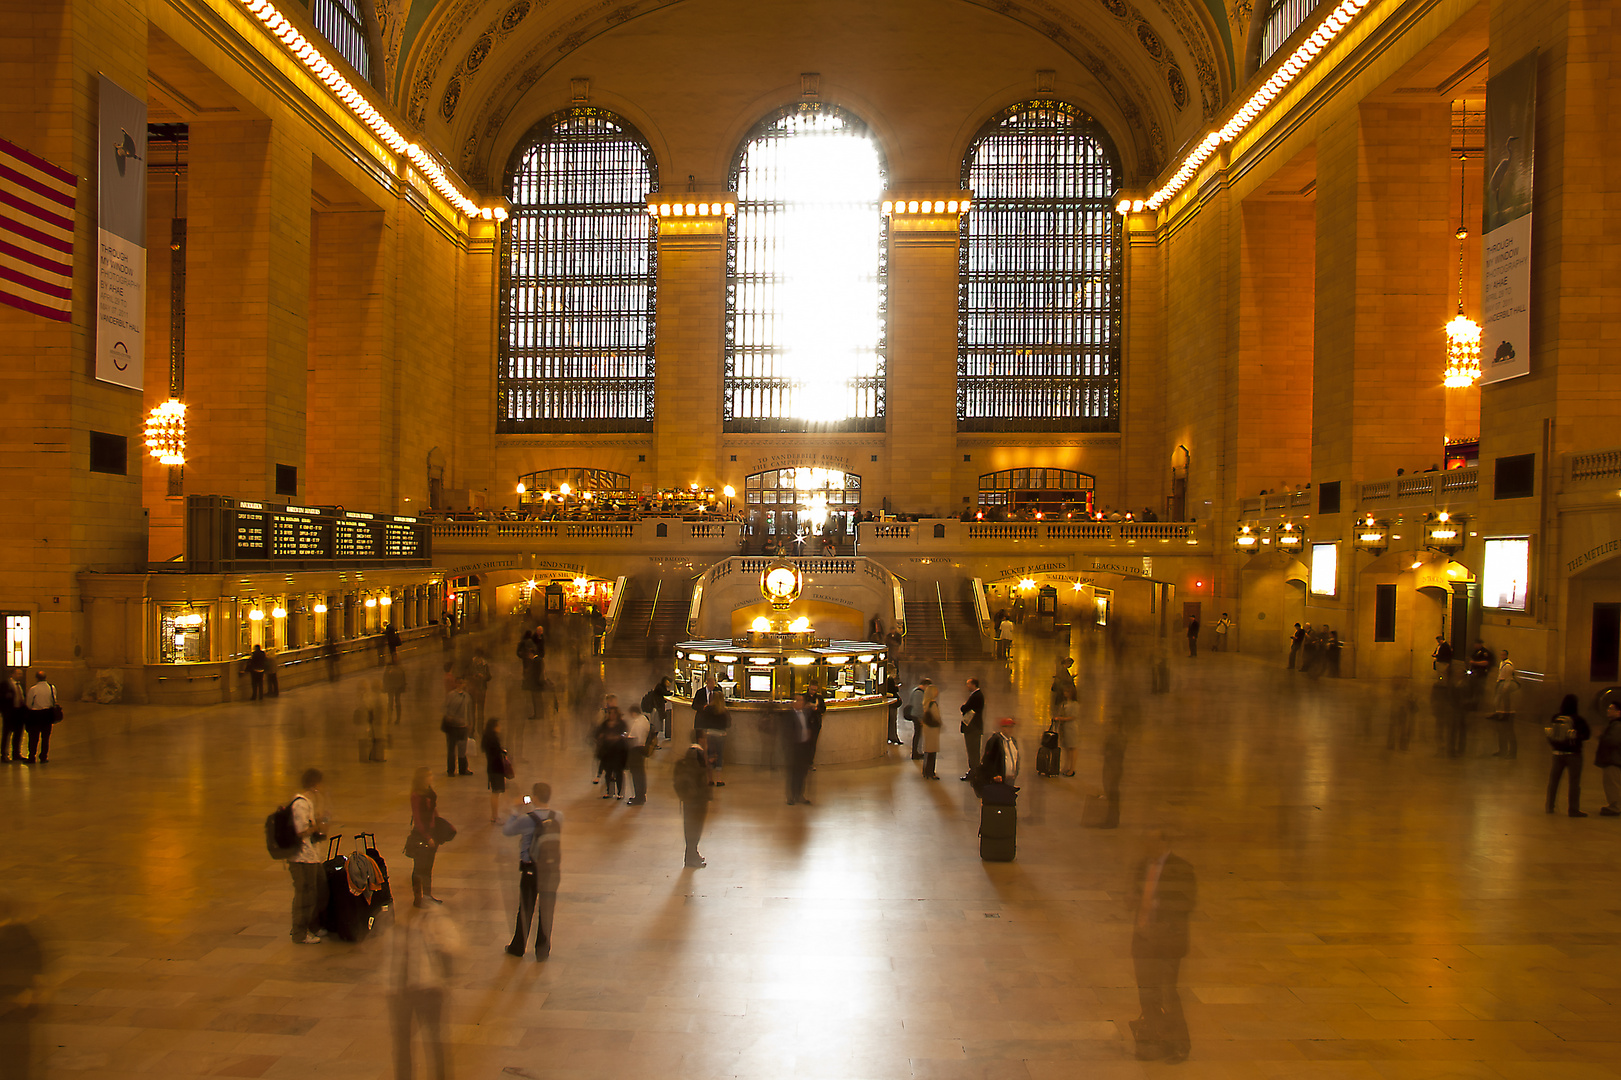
(798,747)
(692,788)
(478,688)
(425,947)
(394,688)
(611,751)
(309,883)
(495,765)
(1506,689)
(914,713)
(13,715)
(640,741)
(973,726)
(928,722)
(22,969)
(1607,758)
(1164,897)
(454,725)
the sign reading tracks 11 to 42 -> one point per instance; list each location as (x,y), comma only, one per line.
(1511,113)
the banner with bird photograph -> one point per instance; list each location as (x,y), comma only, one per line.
(1511,114)
(121,235)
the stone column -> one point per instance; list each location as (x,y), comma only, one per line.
(689,356)
(247,345)
(920,405)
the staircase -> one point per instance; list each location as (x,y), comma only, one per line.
(651,625)
(941,629)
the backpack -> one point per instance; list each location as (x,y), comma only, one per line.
(281,837)
(1560,732)
(546,846)
(650,704)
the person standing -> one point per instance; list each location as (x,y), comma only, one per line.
(422,844)
(928,722)
(656,704)
(892,698)
(1295,641)
(1193,635)
(42,707)
(1065,697)
(454,725)
(1566,734)
(1477,671)
(639,743)
(391,638)
(1164,898)
(478,687)
(1607,759)
(818,710)
(255,667)
(973,726)
(692,788)
(1441,659)
(798,747)
(394,688)
(1004,639)
(13,715)
(1223,625)
(539,830)
(1507,688)
(309,883)
(495,765)
(611,751)
(1000,764)
(709,700)
(914,713)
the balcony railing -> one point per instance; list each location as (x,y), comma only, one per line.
(1593,465)
(654,535)
(953,535)
(1427,487)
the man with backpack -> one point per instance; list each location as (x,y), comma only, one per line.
(540,858)
(309,824)
(1566,733)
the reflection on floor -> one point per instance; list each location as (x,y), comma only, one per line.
(1359,911)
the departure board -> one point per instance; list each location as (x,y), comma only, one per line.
(225,534)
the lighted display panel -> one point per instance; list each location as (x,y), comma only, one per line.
(1505,578)
(1325,569)
(1039,285)
(806,276)
(578,273)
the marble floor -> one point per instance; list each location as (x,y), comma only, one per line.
(1361,912)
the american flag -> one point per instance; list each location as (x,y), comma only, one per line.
(36,234)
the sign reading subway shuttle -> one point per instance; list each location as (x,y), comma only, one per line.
(121,237)
(1511,113)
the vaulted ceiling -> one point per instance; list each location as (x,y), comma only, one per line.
(468,74)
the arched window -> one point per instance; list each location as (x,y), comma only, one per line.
(1278,20)
(577,279)
(1038,298)
(341,23)
(805,286)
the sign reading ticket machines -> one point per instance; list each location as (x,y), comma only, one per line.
(121,235)
(1511,112)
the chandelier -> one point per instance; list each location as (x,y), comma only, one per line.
(1463,333)
(166,432)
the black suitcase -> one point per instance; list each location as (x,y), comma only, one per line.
(1047,755)
(998,823)
(348,916)
(384,897)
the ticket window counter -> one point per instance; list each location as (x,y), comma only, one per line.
(183,636)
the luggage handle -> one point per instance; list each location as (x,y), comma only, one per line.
(332,843)
(365,836)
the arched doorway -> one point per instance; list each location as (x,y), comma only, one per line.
(796,507)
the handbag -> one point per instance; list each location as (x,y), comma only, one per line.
(506,765)
(56,710)
(415,844)
(443,831)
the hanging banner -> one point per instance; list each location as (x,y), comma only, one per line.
(121,235)
(1511,114)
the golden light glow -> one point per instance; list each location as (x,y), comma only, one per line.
(1027,583)
(386,601)
(800,625)
(521,488)
(563,490)
(278,612)
(729,491)
(800,661)
(320,609)
(371,601)
(760,625)
(1463,352)
(781,581)
(166,432)
(255,615)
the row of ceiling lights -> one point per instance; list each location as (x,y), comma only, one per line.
(310,56)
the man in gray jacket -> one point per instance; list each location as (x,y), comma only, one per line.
(914,712)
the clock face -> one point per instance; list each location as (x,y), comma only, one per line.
(780,582)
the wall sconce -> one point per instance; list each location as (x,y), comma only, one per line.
(1371,536)
(386,601)
(371,601)
(278,612)
(1444,533)
(1291,537)
(320,609)
(255,615)
(1246,540)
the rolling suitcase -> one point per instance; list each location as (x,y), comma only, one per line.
(347,916)
(998,823)
(1047,756)
(385,895)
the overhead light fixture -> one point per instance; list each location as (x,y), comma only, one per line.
(320,609)
(278,612)
(1285,74)
(166,432)
(371,601)
(255,615)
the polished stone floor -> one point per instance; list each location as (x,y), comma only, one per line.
(1362,912)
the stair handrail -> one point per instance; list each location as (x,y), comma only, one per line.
(653,612)
(616,606)
(940,603)
(982,613)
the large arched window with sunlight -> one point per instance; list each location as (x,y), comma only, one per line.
(805,300)
(1038,297)
(577,279)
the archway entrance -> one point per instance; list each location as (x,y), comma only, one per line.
(797,509)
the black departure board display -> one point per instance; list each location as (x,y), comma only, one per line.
(234,534)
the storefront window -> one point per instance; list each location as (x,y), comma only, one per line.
(19,638)
(1507,572)
(1325,569)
